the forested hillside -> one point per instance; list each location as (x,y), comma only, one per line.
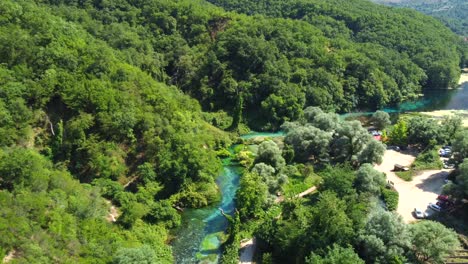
(128,102)
(338,55)
(454,13)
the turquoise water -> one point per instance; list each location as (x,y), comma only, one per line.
(202,231)
(455,99)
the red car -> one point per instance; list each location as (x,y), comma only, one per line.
(443,198)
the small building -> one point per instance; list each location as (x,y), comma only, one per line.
(398,167)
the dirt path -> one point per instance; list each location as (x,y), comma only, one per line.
(113,213)
(418,193)
(247,251)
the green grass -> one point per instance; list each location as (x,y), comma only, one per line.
(298,183)
(405,175)
(428,160)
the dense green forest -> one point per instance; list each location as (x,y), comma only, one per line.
(127,102)
(452,12)
(351,217)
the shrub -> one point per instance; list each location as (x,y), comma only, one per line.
(391,198)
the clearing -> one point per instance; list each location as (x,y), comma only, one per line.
(418,193)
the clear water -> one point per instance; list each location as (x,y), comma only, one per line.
(202,231)
(455,99)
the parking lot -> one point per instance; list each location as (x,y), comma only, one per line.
(418,193)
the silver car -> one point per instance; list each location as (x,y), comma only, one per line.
(419,214)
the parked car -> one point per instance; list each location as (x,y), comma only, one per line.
(443,197)
(435,207)
(419,214)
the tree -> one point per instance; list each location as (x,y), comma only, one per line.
(423,130)
(384,239)
(140,255)
(372,153)
(336,255)
(251,196)
(308,142)
(460,146)
(269,177)
(399,134)
(338,179)
(330,224)
(269,153)
(349,141)
(459,188)
(432,242)
(452,126)
(381,119)
(369,180)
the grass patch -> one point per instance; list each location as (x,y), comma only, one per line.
(405,175)
(299,183)
(428,160)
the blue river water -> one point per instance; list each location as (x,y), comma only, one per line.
(202,231)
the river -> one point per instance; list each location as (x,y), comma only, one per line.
(201,233)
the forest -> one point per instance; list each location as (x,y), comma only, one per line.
(451,12)
(132,104)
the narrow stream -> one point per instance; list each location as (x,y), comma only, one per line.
(202,231)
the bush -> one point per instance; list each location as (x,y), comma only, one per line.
(428,160)
(405,175)
(391,198)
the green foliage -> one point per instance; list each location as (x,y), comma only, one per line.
(432,242)
(423,130)
(321,136)
(460,146)
(385,238)
(381,119)
(339,179)
(141,255)
(251,196)
(231,246)
(269,153)
(428,160)
(405,175)
(452,12)
(369,180)
(399,134)
(390,198)
(459,188)
(336,255)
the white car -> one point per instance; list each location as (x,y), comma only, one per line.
(418,213)
(435,207)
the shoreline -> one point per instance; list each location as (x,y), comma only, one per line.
(439,114)
(463,78)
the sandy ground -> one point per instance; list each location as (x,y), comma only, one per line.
(418,193)
(439,114)
(463,78)
(9,256)
(247,251)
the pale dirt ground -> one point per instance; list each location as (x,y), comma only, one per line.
(247,251)
(418,193)
(463,78)
(439,114)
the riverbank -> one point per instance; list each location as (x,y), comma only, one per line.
(463,78)
(439,114)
